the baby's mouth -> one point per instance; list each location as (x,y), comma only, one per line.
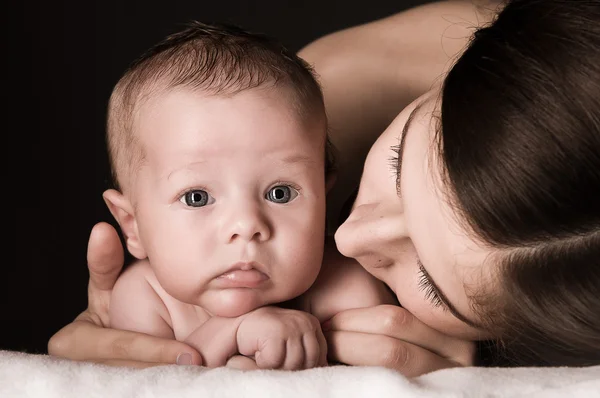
(243,275)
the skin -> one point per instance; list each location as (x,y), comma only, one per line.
(236,151)
(397,219)
(384,335)
(386,64)
(227,213)
(90,331)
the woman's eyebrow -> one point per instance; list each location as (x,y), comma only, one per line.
(403,139)
(445,300)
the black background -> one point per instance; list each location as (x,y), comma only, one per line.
(61,60)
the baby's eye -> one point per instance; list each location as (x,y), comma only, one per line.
(196,198)
(281,194)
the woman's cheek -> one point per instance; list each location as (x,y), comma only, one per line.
(438,318)
(413,300)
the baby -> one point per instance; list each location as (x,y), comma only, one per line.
(218,146)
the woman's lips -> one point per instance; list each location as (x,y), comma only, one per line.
(238,278)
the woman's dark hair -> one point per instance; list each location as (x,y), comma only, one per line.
(520,145)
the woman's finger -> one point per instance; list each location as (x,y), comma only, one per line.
(105,257)
(105,261)
(397,323)
(82,340)
(129,363)
(363,349)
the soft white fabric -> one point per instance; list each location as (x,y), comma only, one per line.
(28,375)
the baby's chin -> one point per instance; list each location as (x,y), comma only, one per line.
(231,303)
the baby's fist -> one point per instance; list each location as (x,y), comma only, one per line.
(280,338)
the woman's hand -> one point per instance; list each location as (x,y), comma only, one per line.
(89,338)
(390,336)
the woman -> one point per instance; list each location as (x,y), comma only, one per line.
(477,205)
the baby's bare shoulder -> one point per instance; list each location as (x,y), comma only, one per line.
(139,279)
(136,305)
(344,284)
(135,276)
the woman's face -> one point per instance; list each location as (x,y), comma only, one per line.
(404,232)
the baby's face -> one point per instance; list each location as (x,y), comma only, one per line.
(230,201)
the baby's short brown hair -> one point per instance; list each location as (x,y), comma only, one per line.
(217,60)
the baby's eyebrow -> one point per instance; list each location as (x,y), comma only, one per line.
(288,159)
(298,158)
(184,168)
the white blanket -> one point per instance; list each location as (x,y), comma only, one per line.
(28,375)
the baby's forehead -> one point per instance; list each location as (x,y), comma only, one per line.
(289,101)
(206,120)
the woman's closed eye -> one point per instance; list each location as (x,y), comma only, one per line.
(393,162)
(431,293)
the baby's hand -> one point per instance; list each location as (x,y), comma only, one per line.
(280,338)
(241,362)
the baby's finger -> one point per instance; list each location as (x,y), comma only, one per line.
(294,355)
(271,354)
(361,349)
(323,348)
(241,362)
(398,323)
(312,351)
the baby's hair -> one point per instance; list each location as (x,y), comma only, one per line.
(217,59)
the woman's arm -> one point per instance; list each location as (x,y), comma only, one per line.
(370,72)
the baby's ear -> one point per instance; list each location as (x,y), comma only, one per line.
(122,211)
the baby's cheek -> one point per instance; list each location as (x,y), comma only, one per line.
(307,268)
(303,266)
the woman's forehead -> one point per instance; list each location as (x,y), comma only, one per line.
(458,255)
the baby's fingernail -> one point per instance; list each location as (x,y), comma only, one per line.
(326,326)
(184,358)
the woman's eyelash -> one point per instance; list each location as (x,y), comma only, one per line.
(426,286)
(393,160)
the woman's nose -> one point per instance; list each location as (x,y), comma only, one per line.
(370,229)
